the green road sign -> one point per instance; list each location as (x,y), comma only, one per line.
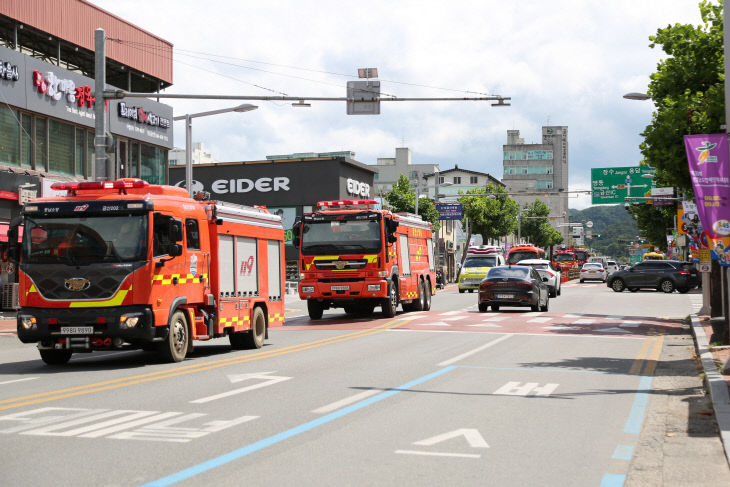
(611,185)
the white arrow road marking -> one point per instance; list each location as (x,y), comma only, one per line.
(18,380)
(472,436)
(450,313)
(346,401)
(438,454)
(263,376)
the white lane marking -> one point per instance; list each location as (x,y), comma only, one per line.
(487,325)
(345,402)
(455,318)
(267,381)
(450,313)
(438,454)
(540,320)
(583,322)
(625,336)
(18,380)
(476,350)
(437,323)
(571,315)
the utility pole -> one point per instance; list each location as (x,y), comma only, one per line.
(102,164)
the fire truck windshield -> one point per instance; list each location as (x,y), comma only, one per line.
(85,240)
(518,255)
(341,237)
(563,257)
(581,254)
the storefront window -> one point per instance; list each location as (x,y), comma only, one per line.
(134,160)
(80,151)
(89,154)
(9,136)
(25,139)
(152,168)
(61,147)
(41,144)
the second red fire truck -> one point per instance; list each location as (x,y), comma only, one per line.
(356,257)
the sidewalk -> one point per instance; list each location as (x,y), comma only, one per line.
(712,360)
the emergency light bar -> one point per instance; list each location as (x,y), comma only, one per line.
(120,184)
(345,203)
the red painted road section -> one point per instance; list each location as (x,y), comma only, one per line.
(509,321)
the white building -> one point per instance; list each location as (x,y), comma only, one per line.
(390,168)
(176,156)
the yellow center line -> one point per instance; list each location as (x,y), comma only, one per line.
(164,374)
(651,364)
(639,360)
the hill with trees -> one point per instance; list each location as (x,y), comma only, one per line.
(611,223)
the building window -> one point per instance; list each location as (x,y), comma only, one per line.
(9,137)
(41,144)
(457,180)
(375,176)
(473,179)
(80,151)
(544,184)
(90,154)
(26,130)
(153,163)
(61,137)
(441,180)
(134,160)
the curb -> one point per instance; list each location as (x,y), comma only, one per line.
(719,393)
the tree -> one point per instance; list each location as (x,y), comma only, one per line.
(536,227)
(402,199)
(491,213)
(688,92)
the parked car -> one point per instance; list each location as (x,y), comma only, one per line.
(611,267)
(662,275)
(593,271)
(545,269)
(514,285)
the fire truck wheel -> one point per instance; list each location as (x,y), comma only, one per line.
(315,309)
(257,333)
(390,304)
(426,296)
(55,357)
(175,347)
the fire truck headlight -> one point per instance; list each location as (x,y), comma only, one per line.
(126,321)
(28,322)
(373,287)
(307,289)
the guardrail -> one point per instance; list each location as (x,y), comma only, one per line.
(573,273)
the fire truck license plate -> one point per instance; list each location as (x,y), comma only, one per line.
(77,330)
(340,288)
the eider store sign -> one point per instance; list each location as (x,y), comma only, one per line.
(140,116)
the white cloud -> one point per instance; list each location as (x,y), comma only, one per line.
(563,62)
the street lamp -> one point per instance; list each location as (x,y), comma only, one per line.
(246,107)
(637,96)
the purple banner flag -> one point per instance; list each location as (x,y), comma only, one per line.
(710,174)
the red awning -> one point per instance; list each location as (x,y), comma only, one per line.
(4,232)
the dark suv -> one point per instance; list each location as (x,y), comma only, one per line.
(662,275)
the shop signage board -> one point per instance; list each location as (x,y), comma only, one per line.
(662,196)
(611,185)
(449,211)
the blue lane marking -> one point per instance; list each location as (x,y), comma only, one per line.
(284,435)
(613,480)
(636,416)
(542,369)
(623,452)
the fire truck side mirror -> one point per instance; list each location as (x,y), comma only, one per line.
(176,233)
(297,230)
(174,250)
(391,226)
(392,238)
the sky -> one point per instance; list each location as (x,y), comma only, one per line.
(562,63)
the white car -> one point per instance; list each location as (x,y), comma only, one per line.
(593,271)
(611,267)
(545,269)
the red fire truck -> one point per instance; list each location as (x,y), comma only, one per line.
(564,259)
(356,257)
(581,255)
(120,264)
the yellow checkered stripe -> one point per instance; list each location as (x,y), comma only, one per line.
(226,322)
(166,279)
(411,295)
(276,317)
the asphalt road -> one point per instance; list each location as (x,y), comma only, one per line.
(447,397)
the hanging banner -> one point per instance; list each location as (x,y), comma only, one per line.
(707,155)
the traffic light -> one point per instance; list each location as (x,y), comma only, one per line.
(598,235)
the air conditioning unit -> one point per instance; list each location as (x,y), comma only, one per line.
(10,298)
